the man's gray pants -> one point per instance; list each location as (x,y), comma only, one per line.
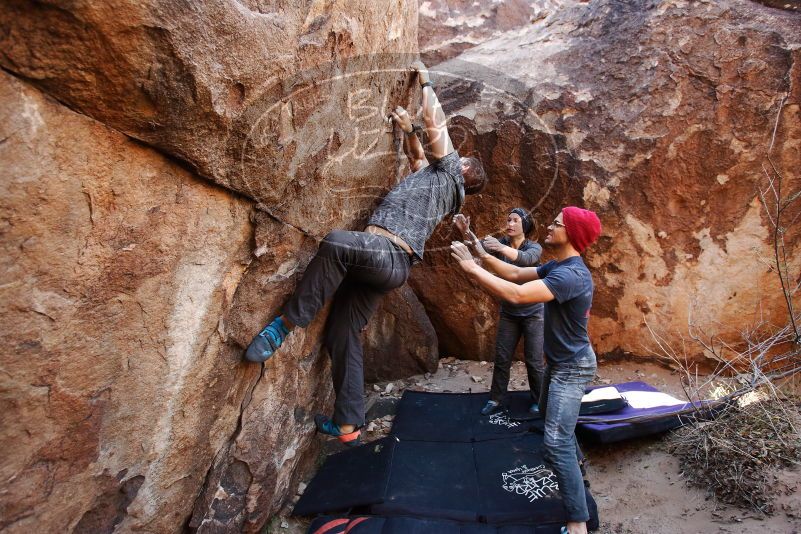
(356,269)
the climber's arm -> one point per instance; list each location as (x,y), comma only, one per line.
(433,116)
(411,143)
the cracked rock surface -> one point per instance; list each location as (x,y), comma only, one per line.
(117,267)
(168,169)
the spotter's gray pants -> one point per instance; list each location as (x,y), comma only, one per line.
(560,402)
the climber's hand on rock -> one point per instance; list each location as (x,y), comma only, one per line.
(461,253)
(402,119)
(492,244)
(462,224)
(422,72)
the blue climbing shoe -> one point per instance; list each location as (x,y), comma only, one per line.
(327,426)
(491,407)
(535,409)
(267,341)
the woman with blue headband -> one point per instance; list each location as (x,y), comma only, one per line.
(515,320)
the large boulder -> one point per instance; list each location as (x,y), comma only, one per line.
(117,266)
(135,403)
(400,340)
(659,116)
(449,27)
(269,101)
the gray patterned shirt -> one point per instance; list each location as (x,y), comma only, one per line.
(414,208)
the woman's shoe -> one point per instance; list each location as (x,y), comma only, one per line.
(491,407)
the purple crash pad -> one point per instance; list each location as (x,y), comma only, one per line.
(637,418)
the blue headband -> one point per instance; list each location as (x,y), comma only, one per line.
(525,219)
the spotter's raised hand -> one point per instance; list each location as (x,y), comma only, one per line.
(461,254)
(492,244)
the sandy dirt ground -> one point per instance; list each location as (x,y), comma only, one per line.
(637,484)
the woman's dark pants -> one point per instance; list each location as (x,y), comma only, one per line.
(510,329)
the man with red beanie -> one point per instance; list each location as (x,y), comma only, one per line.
(565,286)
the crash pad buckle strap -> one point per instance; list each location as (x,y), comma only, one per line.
(334,523)
(355,522)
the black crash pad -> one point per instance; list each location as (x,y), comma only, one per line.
(444,462)
(492,481)
(355,477)
(502,481)
(456,417)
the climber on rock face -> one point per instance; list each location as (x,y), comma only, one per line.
(565,286)
(357,269)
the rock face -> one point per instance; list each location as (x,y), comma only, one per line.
(449,27)
(132,284)
(117,266)
(659,116)
(161,206)
(267,101)
(400,340)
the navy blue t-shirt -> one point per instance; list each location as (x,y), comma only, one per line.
(566,317)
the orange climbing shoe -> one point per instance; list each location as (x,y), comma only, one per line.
(327,426)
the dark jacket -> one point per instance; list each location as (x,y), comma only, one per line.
(528,255)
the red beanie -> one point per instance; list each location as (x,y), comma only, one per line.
(583,227)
